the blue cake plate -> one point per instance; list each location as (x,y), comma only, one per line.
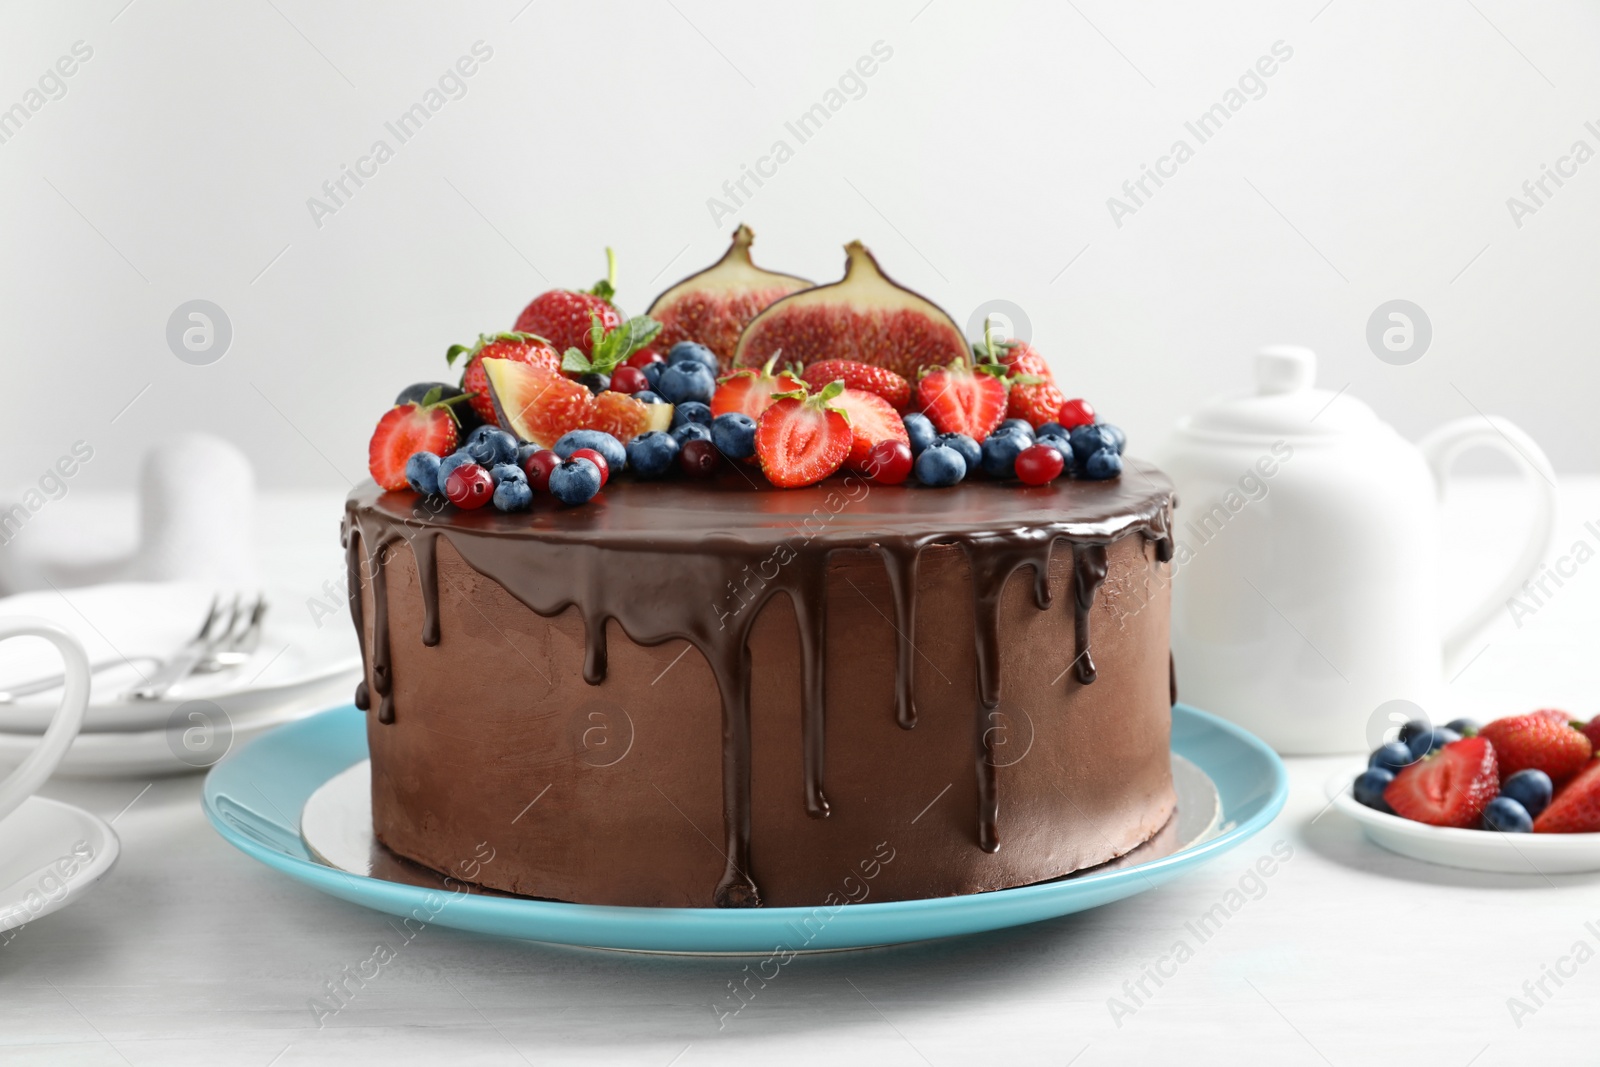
(255,796)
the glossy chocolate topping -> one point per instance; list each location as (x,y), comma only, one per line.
(697,560)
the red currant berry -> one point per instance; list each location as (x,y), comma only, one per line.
(1039,464)
(889,462)
(698,458)
(628,380)
(469,486)
(644,357)
(598,460)
(1076,413)
(538,468)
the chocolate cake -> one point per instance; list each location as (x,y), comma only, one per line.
(958,690)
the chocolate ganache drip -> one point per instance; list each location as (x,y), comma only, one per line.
(675,541)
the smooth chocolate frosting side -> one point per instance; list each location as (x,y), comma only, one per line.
(698,562)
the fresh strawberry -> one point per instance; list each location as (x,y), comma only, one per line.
(1019,357)
(405,430)
(564,316)
(872,420)
(801,439)
(1451,787)
(750,391)
(1542,740)
(1038,402)
(620,415)
(1591,730)
(963,398)
(536,403)
(522,347)
(855,375)
(1576,808)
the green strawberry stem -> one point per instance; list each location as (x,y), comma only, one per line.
(606,287)
(822,400)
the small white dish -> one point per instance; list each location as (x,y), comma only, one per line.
(189,744)
(294,658)
(50,855)
(1473,850)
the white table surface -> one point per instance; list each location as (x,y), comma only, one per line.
(191,953)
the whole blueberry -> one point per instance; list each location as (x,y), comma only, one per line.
(597,382)
(576,481)
(940,466)
(1369,786)
(652,374)
(1465,727)
(966,447)
(693,352)
(489,445)
(599,440)
(524,451)
(1530,788)
(422,473)
(501,472)
(734,434)
(920,430)
(1102,465)
(999,452)
(1060,443)
(1022,426)
(1414,727)
(512,495)
(1089,439)
(1119,440)
(652,454)
(690,431)
(691,411)
(1507,816)
(1393,757)
(451,462)
(689,380)
(1428,740)
(647,396)
(1049,428)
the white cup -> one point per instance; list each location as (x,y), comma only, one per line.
(32,772)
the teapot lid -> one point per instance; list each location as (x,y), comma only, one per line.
(1285,402)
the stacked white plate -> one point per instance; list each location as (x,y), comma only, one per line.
(301,665)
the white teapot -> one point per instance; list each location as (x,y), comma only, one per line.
(1306,583)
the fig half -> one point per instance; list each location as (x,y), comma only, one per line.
(714,306)
(865,316)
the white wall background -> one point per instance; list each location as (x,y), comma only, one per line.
(977,164)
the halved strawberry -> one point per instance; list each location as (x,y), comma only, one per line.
(405,430)
(856,375)
(620,415)
(750,391)
(1575,809)
(1451,787)
(1542,740)
(801,439)
(872,420)
(535,403)
(522,347)
(963,398)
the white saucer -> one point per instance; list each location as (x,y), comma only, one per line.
(50,854)
(1473,850)
(296,655)
(188,744)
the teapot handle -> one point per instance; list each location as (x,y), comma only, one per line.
(1441,449)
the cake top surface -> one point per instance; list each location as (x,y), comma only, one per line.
(843,511)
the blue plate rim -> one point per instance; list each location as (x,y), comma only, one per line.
(373,890)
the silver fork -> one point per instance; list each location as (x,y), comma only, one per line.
(54,681)
(213,632)
(237,648)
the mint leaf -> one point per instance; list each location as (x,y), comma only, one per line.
(574,360)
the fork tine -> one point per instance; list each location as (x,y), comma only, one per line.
(211,617)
